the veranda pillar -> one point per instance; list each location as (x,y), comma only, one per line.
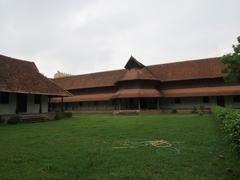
(139,104)
(61,104)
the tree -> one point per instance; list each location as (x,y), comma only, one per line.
(61,74)
(232,64)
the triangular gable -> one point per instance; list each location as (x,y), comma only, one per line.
(133,63)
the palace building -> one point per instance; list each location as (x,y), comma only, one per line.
(23,89)
(181,86)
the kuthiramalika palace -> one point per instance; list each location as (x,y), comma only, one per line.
(180,85)
(162,87)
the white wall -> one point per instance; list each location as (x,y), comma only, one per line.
(44,104)
(11,107)
(31,106)
(34,108)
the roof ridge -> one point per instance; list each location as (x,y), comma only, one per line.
(55,84)
(184,61)
(15,59)
(89,73)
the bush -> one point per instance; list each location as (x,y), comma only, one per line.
(61,115)
(174,111)
(13,119)
(230,120)
(201,108)
(195,110)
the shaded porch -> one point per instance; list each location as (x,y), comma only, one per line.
(137,104)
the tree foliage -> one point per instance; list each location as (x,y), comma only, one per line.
(230,121)
(61,74)
(232,64)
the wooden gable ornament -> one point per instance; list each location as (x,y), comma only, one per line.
(133,63)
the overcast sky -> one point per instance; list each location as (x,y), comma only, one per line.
(81,36)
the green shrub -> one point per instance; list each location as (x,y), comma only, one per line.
(13,119)
(201,108)
(174,110)
(230,120)
(195,110)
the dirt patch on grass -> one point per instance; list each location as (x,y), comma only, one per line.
(130,144)
(159,143)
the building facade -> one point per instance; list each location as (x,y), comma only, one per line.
(182,86)
(23,89)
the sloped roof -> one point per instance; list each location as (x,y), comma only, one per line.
(186,70)
(100,79)
(130,93)
(138,74)
(202,91)
(85,97)
(23,77)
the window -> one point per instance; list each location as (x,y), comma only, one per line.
(177,100)
(205,99)
(37,99)
(236,98)
(4,98)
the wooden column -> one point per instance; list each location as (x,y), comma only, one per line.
(119,105)
(139,104)
(17,111)
(61,104)
(49,104)
(158,103)
(40,104)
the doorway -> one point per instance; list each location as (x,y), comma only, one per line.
(220,101)
(21,103)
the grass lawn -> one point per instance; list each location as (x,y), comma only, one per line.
(114,147)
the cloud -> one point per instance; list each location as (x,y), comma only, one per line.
(79,36)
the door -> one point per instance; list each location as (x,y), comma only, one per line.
(220,101)
(21,103)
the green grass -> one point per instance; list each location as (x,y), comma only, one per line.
(83,147)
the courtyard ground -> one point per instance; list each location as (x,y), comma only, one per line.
(166,146)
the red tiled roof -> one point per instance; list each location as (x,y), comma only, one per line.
(135,93)
(23,77)
(138,74)
(202,91)
(122,93)
(186,70)
(100,79)
(83,98)
(131,93)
